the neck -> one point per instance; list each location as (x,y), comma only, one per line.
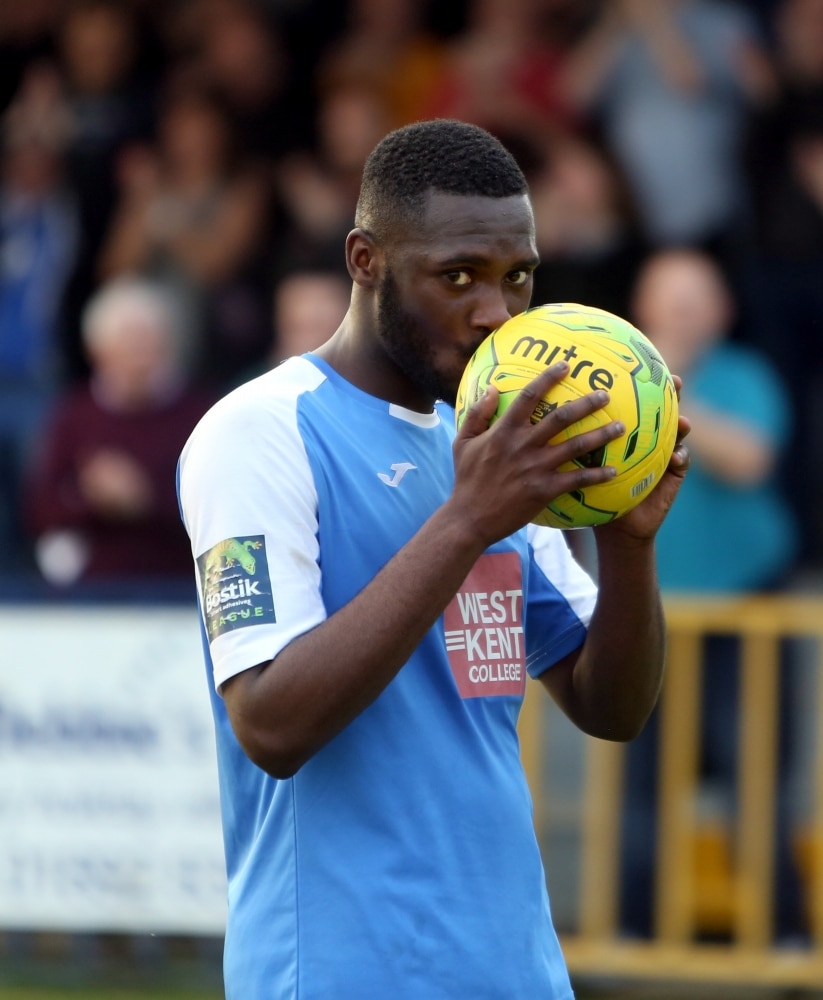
(359,360)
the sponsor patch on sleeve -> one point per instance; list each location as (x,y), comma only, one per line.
(235,585)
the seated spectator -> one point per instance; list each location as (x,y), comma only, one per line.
(308,307)
(101,500)
(741,415)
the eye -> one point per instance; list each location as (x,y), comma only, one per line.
(520,277)
(459,278)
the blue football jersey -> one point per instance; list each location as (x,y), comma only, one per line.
(401,860)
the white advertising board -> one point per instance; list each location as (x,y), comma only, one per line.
(109,812)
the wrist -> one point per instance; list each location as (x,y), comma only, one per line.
(623,551)
(461,534)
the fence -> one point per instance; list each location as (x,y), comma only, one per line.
(736,895)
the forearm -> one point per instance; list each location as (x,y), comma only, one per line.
(127,246)
(285,710)
(675,59)
(729,450)
(586,68)
(233,234)
(53,499)
(616,679)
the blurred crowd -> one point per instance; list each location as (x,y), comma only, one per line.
(177,178)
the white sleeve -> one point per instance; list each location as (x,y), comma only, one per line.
(249,505)
(553,555)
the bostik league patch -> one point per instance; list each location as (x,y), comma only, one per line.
(235,585)
(484,629)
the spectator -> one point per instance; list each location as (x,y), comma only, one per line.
(670,82)
(317,187)
(191,214)
(101,500)
(111,104)
(731,531)
(308,305)
(505,69)
(782,291)
(783,135)
(26,37)
(240,51)
(588,232)
(308,308)
(38,247)
(388,48)
(741,420)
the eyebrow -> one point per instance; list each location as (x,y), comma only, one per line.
(479,260)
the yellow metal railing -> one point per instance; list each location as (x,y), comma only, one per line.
(595,946)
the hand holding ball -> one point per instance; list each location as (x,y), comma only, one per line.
(603,352)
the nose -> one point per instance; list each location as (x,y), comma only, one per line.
(491,310)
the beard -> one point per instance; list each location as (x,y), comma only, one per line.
(400,334)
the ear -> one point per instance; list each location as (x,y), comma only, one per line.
(364,259)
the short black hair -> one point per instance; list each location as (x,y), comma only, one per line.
(441,154)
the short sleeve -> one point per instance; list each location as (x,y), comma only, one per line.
(249,505)
(561,600)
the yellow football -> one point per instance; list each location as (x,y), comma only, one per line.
(603,352)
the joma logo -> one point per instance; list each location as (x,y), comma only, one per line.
(399,469)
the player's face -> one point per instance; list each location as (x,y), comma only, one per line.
(448,284)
